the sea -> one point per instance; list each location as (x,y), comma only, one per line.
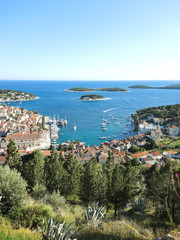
(88,115)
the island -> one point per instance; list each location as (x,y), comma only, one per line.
(92,97)
(173,86)
(82,89)
(7,95)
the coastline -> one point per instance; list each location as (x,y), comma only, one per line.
(20,100)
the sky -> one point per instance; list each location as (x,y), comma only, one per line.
(90,39)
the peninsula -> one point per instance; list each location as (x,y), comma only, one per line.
(13,96)
(82,89)
(173,86)
(92,97)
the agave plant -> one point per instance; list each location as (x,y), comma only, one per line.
(52,231)
(139,205)
(94,215)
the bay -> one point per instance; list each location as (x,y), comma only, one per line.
(88,115)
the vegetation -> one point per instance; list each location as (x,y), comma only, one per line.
(52,231)
(170,114)
(113,89)
(91,97)
(10,95)
(173,86)
(141,202)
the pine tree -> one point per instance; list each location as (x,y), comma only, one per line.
(43,121)
(54,172)
(13,158)
(72,177)
(93,184)
(108,171)
(118,190)
(33,168)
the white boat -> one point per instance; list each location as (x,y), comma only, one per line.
(65,121)
(75,127)
(104,129)
(103,124)
(103,137)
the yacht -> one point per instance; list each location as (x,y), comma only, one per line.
(103,137)
(75,127)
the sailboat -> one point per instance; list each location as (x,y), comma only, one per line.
(75,127)
(65,121)
(103,124)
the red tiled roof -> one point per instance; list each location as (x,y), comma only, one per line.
(154,154)
(23,136)
(140,154)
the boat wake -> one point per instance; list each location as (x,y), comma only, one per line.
(109,110)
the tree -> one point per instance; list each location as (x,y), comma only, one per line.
(73,175)
(54,172)
(92,183)
(108,171)
(118,191)
(13,158)
(43,121)
(33,168)
(12,189)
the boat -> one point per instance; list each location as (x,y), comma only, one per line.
(103,124)
(65,121)
(117,123)
(104,129)
(114,136)
(75,127)
(108,122)
(108,136)
(116,118)
(103,137)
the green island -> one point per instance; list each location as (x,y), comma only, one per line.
(81,89)
(173,86)
(7,95)
(92,97)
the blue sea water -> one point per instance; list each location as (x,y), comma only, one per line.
(88,115)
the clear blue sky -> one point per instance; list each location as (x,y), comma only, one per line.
(90,39)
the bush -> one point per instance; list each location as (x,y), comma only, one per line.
(12,189)
(39,191)
(8,233)
(31,216)
(55,200)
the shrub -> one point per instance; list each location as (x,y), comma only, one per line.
(39,191)
(31,216)
(12,189)
(55,200)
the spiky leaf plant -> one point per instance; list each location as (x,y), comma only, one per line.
(139,205)
(94,215)
(52,231)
